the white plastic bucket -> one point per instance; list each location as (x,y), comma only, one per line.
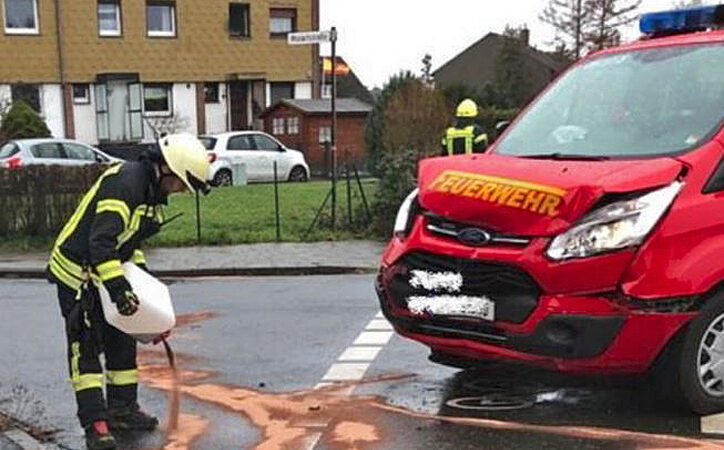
(155,314)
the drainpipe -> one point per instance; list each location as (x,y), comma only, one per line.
(68,125)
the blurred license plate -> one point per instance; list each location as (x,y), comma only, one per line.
(453,305)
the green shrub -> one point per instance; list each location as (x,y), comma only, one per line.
(398,172)
(22,122)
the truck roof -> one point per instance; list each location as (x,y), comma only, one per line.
(699,37)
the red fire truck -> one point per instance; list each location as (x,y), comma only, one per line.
(590,236)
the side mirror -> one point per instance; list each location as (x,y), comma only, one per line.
(281,148)
(500,127)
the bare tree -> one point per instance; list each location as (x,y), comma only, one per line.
(607,18)
(427,69)
(571,19)
(168,125)
(683,4)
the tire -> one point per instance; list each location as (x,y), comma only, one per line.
(689,353)
(222,178)
(298,174)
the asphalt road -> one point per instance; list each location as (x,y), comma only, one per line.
(252,351)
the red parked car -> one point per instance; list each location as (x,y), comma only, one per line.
(590,236)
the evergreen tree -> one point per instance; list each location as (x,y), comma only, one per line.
(23,122)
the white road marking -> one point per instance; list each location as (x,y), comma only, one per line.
(713,424)
(380,325)
(346,372)
(360,354)
(373,338)
(353,363)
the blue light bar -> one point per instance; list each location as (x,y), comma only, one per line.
(682,20)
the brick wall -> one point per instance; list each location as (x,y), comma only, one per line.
(202,50)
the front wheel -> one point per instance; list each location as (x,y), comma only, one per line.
(698,361)
(298,174)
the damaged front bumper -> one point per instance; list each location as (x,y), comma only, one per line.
(565,332)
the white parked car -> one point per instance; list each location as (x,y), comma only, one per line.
(258,151)
(63,152)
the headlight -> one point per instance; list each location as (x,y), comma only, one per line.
(402,222)
(615,226)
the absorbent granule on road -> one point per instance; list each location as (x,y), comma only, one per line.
(450,282)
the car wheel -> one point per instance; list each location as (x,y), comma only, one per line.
(298,174)
(698,361)
(222,178)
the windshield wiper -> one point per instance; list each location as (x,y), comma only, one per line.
(566,157)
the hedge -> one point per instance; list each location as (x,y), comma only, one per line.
(38,200)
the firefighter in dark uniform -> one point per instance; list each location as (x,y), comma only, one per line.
(120,211)
(466,137)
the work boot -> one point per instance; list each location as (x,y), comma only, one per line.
(131,418)
(97,436)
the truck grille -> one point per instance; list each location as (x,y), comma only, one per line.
(515,293)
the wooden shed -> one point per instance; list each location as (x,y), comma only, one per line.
(306,125)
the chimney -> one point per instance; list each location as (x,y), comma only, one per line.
(525,35)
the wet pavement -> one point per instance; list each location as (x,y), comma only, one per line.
(251,352)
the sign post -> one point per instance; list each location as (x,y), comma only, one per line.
(320,37)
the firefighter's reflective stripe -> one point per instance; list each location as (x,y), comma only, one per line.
(83,381)
(466,134)
(139,257)
(109,270)
(155,213)
(122,377)
(72,224)
(116,206)
(63,272)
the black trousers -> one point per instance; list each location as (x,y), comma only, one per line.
(89,335)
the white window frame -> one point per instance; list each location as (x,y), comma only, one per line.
(292,125)
(35,30)
(85,100)
(168,112)
(327,90)
(278,125)
(152,33)
(110,33)
(325,134)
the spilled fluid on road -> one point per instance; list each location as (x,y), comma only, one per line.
(298,419)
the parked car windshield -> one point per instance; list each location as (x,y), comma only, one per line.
(8,150)
(635,104)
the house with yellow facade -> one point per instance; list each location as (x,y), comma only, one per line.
(110,72)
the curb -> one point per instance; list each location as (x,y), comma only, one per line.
(30,274)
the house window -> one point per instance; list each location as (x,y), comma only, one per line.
(161,19)
(280,91)
(29,93)
(278,126)
(325,134)
(326,91)
(21,17)
(157,99)
(211,92)
(109,18)
(81,94)
(293,125)
(239,20)
(282,21)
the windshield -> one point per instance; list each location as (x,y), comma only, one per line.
(8,150)
(648,102)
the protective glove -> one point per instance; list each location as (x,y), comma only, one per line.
(123,296)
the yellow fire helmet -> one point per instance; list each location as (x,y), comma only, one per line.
(187,158)
(467,108)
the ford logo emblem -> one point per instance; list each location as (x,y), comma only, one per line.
(474,236)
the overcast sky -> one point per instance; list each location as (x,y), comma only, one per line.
(378,38)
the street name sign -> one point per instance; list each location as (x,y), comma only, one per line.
(309,37)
